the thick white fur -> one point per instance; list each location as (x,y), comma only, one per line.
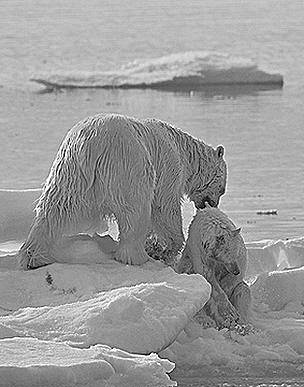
(216,250)
(209,227)
(137,171)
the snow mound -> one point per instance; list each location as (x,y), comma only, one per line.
(34,363)
(124,307)
(280,289)
(192,69)
(58,284)
(268,255)
(276,345)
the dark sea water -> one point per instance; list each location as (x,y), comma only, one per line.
(262,131)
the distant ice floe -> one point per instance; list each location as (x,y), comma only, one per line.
(187,70)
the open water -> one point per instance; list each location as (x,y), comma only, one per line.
(262,131)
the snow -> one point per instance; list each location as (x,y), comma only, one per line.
(109,324)
(280,289)
(31,362)
(85,307)
(266,256)
(191,69)
(140,318)
(147,309)
(277,343)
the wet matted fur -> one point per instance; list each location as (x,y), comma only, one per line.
(137,171)
(216,250)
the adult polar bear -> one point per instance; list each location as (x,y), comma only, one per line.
(137,171)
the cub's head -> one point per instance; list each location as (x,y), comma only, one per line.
(219,241)
(210,182)
(226,250)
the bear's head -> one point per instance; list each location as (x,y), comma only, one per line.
(210,181)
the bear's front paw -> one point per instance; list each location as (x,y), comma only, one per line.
(131,254)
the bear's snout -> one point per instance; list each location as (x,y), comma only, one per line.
(202,203)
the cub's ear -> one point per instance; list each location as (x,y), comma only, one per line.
(236,231)
(220,151)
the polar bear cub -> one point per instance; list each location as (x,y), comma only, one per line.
(216,250)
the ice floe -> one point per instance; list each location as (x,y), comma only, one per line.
(35,363)
(193,69)
(134,311)
(103,323)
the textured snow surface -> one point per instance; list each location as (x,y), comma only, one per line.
(36,363)
(279,290)
(268,255)
(141,318)
(139,309)
(276,347)
(78,309)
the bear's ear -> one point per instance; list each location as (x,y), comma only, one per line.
(220,151)
(236,231)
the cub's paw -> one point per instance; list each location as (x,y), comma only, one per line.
(204,320)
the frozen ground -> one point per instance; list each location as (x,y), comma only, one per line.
(109,324)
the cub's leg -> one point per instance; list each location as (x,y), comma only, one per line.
(220,309)
(241,299)
(238,293)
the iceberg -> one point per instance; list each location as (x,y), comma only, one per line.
(187,70)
